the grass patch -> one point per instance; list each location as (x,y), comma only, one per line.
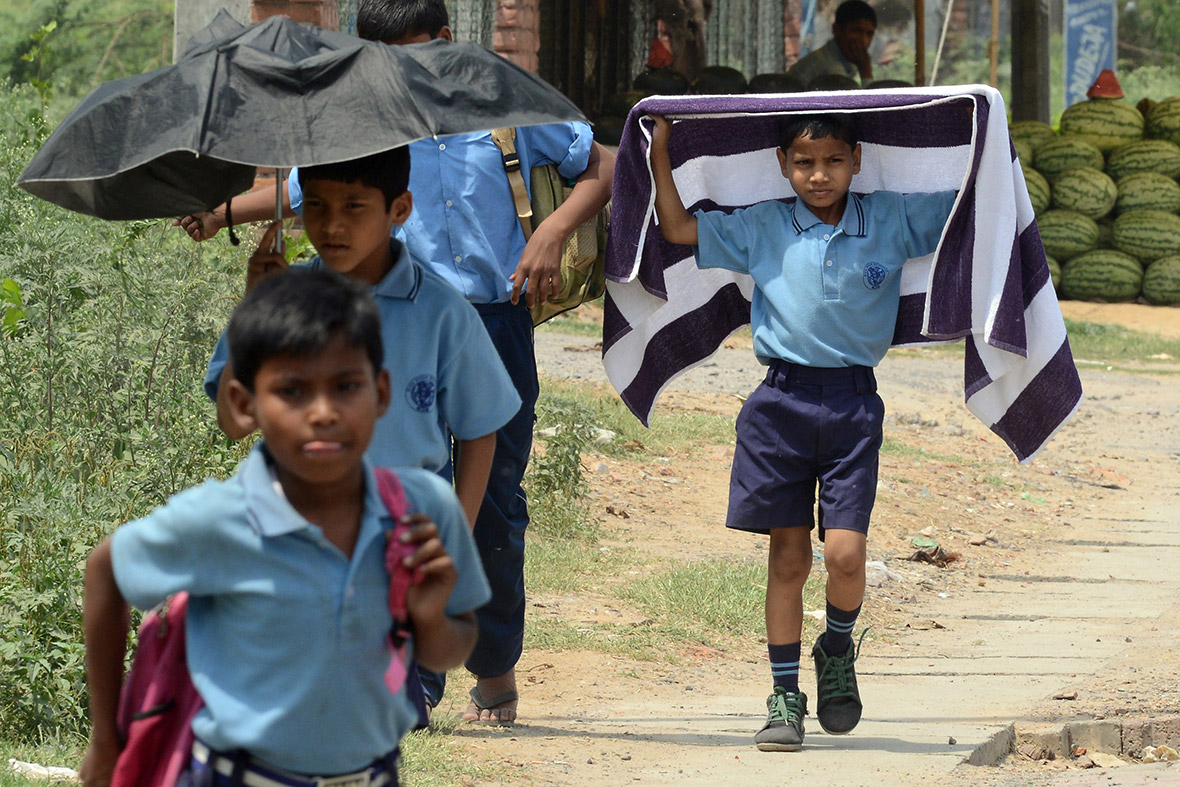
(60,754)
(709,598)
(895,448)
(669,434)
(1112,343)
(570,325)
(435,757)
(564,566)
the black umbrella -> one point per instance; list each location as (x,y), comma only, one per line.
(186,137)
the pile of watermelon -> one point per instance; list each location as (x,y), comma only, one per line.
(1106,196)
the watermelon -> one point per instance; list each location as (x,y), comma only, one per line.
(1088,191)
(1066,233)
(1102,275)
(1146,155)
(1106,122)
(1034,132)
(1058,155)
(1024,152)
(1147,234)
(1163,120)
(1148,191)
(1054,271)
(1161,283)
(1105,233)
(1038,190)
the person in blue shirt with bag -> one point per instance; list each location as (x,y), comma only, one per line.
(826,268)
(285,562)
(464,228)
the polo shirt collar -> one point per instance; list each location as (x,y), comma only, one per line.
(852,222)
(404,279)
(268,511)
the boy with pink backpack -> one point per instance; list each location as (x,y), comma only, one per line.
(290,602)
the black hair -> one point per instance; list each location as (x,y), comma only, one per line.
(388,171)
(832,82)
(662,81)
(840,126)
(392,20)
(853,11)
(718,80)
(300,313)
(775,83)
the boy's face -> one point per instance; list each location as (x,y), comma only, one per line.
(854,38)
(316,412)
(349,226)
(820,171)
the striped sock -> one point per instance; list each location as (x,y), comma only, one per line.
(838,637)
(784,665)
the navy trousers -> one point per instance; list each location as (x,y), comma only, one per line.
(503,515)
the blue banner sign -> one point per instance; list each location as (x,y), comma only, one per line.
(1091,39)
(807,27)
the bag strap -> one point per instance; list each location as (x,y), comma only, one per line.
(389,486)
(505,139)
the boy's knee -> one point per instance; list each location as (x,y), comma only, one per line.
(790,567)
(844,558)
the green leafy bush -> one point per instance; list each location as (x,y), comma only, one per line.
(105,331)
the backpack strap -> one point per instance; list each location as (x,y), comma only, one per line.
(505,139)
(389,486)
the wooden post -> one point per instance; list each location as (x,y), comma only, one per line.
(1030,60)
(993,47)
(919,42)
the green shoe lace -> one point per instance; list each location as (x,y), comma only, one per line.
(789,708)
(839,678)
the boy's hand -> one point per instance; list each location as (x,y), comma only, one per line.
(858,55)
(201,226)
(661,132)
(265,261)
(539,267)
(426,600)
(98,765)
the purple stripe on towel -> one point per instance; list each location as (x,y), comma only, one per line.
(683,342)
(614,324)
(975,376)
(1042,406)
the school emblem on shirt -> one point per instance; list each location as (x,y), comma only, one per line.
(420,392)
(874,275)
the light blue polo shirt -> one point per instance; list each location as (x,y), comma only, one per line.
(286,636)
(824,296)
(446,375)
(464,226)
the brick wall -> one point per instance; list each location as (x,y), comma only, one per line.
(322,13)
(517,34)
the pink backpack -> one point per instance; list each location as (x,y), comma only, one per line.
(158,700)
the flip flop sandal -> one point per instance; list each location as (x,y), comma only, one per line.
(493,703)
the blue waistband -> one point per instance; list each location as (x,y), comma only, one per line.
(782,374)
(503,307)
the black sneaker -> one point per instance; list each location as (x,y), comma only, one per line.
(783,730)
(838,701)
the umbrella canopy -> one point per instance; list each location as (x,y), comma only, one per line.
(186,137)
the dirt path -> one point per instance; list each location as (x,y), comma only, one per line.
(1073,592)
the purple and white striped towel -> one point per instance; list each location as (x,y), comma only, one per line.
(987,283)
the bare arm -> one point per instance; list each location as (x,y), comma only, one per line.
(263,264)
(441,641)
(540,263)
(106,621)
(676,224)
(473,465)
(249,208)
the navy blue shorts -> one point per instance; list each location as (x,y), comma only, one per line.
(801,427)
